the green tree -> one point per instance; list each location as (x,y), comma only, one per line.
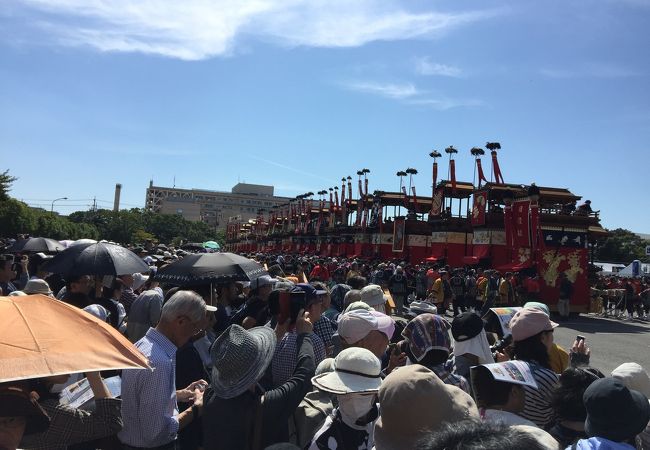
(6,181)
(16,218)
(622,246)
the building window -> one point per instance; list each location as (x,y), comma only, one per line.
(179,211)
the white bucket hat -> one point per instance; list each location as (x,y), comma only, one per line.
(373,295)
(356,370)
(139,280)
(37,286)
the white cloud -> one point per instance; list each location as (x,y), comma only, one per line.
(388,90)
(291,169)
(424,66)
(592,70)
(199,29)
(409,94)
(443,104)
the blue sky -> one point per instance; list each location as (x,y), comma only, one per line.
(299,93)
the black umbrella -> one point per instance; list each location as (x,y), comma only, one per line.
(210,267)
(96,259)
(35,245)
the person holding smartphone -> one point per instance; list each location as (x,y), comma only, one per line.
(285,357)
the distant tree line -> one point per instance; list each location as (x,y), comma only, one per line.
(126,226)
(622,246)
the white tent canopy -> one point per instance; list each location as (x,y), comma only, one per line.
(627,271)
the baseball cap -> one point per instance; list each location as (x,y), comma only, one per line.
(465,326)
(355,325)
(529,322)
(614,412)
(310,291)
(262,281)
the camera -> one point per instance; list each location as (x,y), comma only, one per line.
(500,345)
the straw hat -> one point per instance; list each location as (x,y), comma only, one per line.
(355,370)
(240,358)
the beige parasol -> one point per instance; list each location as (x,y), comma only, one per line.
(41,336)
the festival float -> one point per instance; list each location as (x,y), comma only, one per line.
(525,228)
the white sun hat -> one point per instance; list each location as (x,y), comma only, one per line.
(356,370)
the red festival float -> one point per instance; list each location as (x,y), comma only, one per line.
(523,228)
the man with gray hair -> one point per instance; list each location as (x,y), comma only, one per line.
(149,408)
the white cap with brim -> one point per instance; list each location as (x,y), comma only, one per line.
(356,370)
(355,325)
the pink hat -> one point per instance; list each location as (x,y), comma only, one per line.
(356,324)
(529,322)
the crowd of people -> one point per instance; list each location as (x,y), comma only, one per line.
(321,353)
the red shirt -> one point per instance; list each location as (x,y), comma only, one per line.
(320,272)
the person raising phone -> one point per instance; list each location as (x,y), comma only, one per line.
(285,357)
(238,413)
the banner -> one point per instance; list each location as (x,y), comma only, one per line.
(498,177)
(478,210)
(436,202)
(521,222)
(405,197)
(481,175)
(452,171)
(563,238)
(399,234)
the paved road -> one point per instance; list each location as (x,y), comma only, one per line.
(612,341)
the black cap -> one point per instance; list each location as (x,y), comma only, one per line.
(465,326)
(614,412)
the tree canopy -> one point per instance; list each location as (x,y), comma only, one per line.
(125,226)
(622,246)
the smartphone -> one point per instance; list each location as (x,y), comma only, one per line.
(580,338)
(290,305)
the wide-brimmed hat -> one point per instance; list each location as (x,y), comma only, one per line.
(37,286)
(528,322)
(17,400)
(422,307)
(614,412)
(373,295)
(355,370)
(415,402)
(240,358)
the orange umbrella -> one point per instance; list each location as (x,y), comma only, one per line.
(41,337)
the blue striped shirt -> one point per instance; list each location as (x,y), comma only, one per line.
(149,409)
